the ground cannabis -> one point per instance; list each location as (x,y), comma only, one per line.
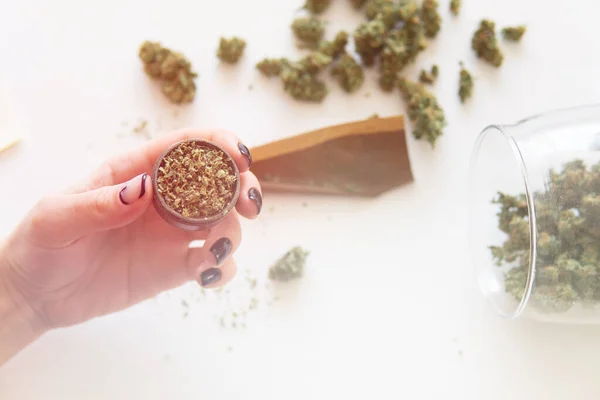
(429,77)
(424,111)
(485,43)
(455,7)
(349,73)
(195,180)
(316,6)
(431,18)
(465,84)
(385,11)
(172,69)
(290,266)
(309,30)
(568,243)
(513,34)
(231,50)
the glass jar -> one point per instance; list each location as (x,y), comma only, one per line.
(535,216)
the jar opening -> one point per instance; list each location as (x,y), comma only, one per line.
(497,173)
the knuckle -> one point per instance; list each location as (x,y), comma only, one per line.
(97,205)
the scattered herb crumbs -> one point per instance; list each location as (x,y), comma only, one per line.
(348,73)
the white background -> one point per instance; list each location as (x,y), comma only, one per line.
(387,308)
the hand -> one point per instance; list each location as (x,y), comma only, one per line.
(101,247)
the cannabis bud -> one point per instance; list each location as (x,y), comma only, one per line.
(429,77)
(172,69)
(568,254)
(455,7)
(513,34)
(465,84)
(231,50)
(349,73)
(424,111)
(358,4)
(316,6)
(272,66)
(336,47)
(310,30)
(431,18)
(368,40)
(290,266)
(485,44)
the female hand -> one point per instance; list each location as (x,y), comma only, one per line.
(101,247)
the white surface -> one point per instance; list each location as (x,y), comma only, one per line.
(388,308)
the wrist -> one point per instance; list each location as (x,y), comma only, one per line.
(18,326)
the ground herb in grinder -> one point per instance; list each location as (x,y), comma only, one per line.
(196,183)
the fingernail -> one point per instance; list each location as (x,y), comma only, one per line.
(132,191)
(254,195)
(221,249)
(246,153)
(143,191)
(210,276)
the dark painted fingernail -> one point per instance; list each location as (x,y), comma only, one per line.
(221,249)
(143,191)
(254,195)
(246,153)
(210,276)
(121,196)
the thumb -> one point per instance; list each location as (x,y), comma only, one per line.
(61,220)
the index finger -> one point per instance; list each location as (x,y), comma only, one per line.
(125,166)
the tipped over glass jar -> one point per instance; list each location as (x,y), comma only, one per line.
(535,216)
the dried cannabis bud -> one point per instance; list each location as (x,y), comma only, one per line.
(429,77)
(315,62)
(349,73)
(290,266)
(513,34)
(231,50)
(568,260)
(272,66)
(369,39)
(195,180)
(424,111)
(358,4)
(309,30)
(172,69)
(302,84)
(383,10)
(316,6)
(455,6)
(401,47)
(485,44)
(431,18)
(336,47)
(465,84)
